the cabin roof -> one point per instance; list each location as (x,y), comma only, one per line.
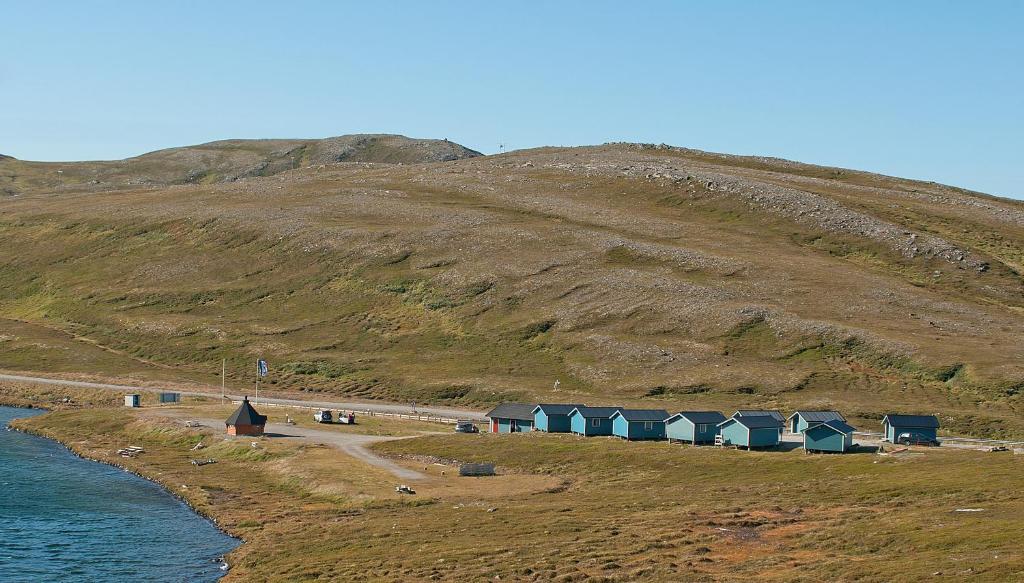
(755,421)
(911,420)
(758,413)
(819,416)
(593,412)
(698,417)
(556,408)
(634,415)
(518,411)
(833,424)
(246,415)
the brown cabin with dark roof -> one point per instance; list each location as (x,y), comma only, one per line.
(246,421)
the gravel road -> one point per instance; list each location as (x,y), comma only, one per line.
(353,444)
(377,407)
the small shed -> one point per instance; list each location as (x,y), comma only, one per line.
(132,401)
(553,417)
(917,427)
(832,435)
(245,420)
(591,420)
(511,418)
(803,419)
(639,423)
(170,397)
(750,431)
(761,413)
(693,426)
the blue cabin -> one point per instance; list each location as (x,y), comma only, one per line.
(591,420)
(693,426)
(803,419)
(552,417)
(910,428)
(761,413)
(751,431)
(511,418)
(832,436)
(639,423)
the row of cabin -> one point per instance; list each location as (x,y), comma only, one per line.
(825,431)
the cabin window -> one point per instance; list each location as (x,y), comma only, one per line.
(702,427)
(648,425)
(595,422)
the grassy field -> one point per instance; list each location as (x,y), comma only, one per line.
(574,509)
(633,275)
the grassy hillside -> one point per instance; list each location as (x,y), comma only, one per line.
(632,274)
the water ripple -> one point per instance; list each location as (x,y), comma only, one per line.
(67,519)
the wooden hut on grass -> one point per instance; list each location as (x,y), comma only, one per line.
(911,429)
(246,421)
(693,426)
(764,412)
(511,418)
(803,419)
(591,420)
(750,431)
(829,436)
(553,417)
(639,423)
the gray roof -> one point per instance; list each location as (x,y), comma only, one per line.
(834,424)
(556,408)
(643,414)
(819,416)
(697,417)
(246,415)
(758,413)
(519,411)
(911,420)
(755,421)
(598,412)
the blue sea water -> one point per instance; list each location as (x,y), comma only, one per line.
(63,518)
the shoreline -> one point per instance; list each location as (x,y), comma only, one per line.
(153,480)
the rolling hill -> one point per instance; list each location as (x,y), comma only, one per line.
(386,267)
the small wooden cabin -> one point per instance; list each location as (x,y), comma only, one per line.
(751,431)
(832,436)
(591,420)
(803,419)
(639,423)
(916,427)
(511,418)
(553,417)
(693,426)
(246,421)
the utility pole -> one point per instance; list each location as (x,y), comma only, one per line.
(223,373)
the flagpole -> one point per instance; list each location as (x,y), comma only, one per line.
(223,373)
(257,400)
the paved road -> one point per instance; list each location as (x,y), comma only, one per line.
(377,407)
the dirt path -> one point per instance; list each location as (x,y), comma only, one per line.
(353,444)
(347,405)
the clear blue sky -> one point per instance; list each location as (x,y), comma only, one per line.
(922,89)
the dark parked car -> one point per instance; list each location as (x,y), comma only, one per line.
(911,439)
(463,426)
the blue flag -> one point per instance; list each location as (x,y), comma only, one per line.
(261,367)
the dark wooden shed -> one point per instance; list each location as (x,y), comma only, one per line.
(245,420)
